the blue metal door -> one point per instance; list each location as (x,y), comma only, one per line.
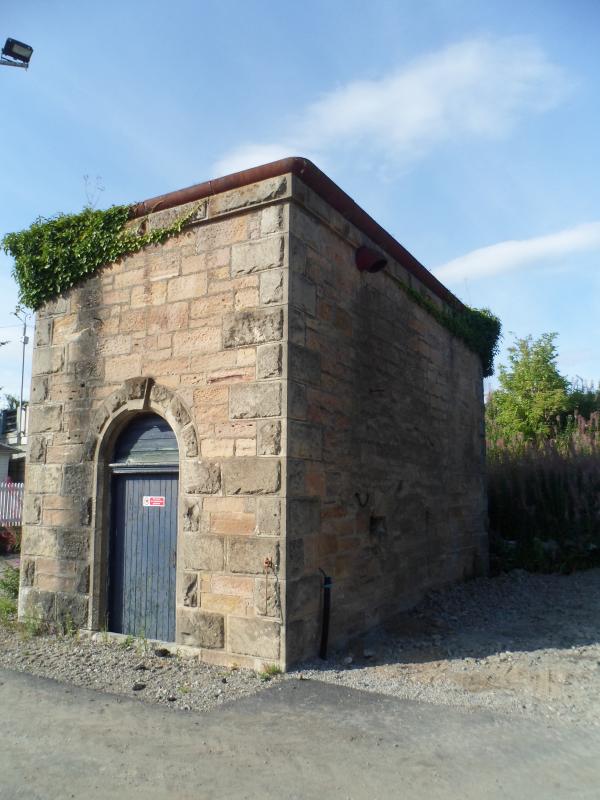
(143,539)
(143,555)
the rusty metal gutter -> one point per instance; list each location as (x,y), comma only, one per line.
(312,176)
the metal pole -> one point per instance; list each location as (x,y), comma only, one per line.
(20,425)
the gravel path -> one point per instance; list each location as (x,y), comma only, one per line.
(518,644)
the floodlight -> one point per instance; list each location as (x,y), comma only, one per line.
(16,54)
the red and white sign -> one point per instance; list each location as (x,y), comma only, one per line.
(151,501)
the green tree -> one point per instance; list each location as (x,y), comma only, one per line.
(532,393)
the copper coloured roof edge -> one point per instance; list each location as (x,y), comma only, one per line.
(319,182)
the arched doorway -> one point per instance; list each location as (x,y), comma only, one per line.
(143,532)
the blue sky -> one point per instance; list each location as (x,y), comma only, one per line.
(470,130)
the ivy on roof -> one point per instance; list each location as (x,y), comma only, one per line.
(54,254)
(478,328)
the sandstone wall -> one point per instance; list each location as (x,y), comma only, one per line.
(385,438)
(194,330)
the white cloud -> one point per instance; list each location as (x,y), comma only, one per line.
(509,255)
(250,155)
(479,87)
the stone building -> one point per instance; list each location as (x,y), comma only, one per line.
(247,395)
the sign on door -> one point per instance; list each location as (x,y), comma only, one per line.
(152,501)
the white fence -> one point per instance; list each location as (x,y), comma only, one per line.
(11,503)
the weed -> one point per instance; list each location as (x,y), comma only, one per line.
(8,611)
(270,671)
(127,642)
(68,626)
(544,500)
(142,645)
(9,582)
(31,626)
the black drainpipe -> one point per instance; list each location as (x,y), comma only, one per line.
(327,584)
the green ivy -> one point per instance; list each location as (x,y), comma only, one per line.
(477,327)
(54,254)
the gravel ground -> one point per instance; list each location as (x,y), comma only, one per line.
(517,644)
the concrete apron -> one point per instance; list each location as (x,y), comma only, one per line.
(297,740)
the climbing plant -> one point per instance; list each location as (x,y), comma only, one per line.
(477,327)
(54,254)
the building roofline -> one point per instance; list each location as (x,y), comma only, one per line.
(319,182)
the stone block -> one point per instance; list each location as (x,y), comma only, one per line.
(250,400)
(232,522)
(186,287)
(297,400)
(253,637)
(252,327)
(246,196)
(245,447)
(271,219)
(56,542)
(256,256)
(267,601)
(43,478)
(294,558)
(296,476)
(199,629)
(136,388)
(268,517)
(304,517)
(202,477)
(71,610)
(83,345)
(223,603)
(217,448)
(43,331)
(192,515)
(251,476)
(190,589)
(47,360)
(45,418)
(39,389)
(27,572)
(271,287)
(37,447)
(77,479)
(37,605)
(304,365)
(203,552)
(61,575)
(268,438)
(297,326)
(32,509)
(235,585)
(303,294)
(298,254)
(189,441)
(268,361)
(178,412)
(305,440)
(247,555)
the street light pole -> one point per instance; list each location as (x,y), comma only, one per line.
(25,341)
